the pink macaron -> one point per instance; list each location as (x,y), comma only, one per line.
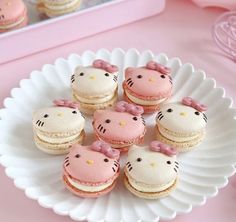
(121,127)
(147,86)
(91,171)
(13,15)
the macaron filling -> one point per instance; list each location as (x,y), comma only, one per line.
(12,25)
(149,188)
(89,188)
(144,102)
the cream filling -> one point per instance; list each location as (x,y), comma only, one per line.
(149,188)
(95,100)
(177,138)
(61,7)
(89,188)
(57,140)
(13,24)
(144,102)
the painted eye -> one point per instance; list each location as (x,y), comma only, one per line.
(135,118)
(106,74)
(106,160)
(139,159)
(81,74)
(74,112)
(197,113)
(139,76)
(46,116)
(168,162)
(107,121)
(163,76)
(77,156)
(169,110)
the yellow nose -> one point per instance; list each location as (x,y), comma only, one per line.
(89,162)
(183,114)
(92,77)
(122,123)
(152,164)
(151,79)
(60,114)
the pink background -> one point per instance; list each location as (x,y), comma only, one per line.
(183,30)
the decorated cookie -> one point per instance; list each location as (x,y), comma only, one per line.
(182,124)
(52,8)
(91,171)
(95,87)
(121,127)
(151,172)
(13,15)
(56,128)
(148,86)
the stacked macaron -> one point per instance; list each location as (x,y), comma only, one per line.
(182,124)
(148,86)
(151,172)
(58,127)
(13,15)
(91,171)
(95,87)
(53,8)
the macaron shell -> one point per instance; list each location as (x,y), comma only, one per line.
(152,84)
(122,126)
(84,194)
(150,169)
(101,83)
(11,10)
(181,119)
(58,119)
(21,25)
(151,195)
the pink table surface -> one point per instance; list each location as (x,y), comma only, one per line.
(183,30)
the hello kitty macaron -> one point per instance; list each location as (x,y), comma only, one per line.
(151,172)
(95,87)
(91,171)
(182,124)
(148,86)
(121,127)
(56,128)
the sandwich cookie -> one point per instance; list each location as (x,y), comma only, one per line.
(57,128)
(13,15)
(151,172)
(91,171)
(95,87)
(121,127)
(148,86)
(182,124)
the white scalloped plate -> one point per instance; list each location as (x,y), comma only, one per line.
(202,171)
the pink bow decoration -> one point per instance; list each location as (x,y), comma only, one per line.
(188,101)
(101,64)
(157,146)
(66,103)
(106,149)
(158,67)
(123,106)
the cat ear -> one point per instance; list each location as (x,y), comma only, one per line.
(78,69)
(129,71)
(97,114)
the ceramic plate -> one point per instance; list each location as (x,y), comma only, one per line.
(202,171)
